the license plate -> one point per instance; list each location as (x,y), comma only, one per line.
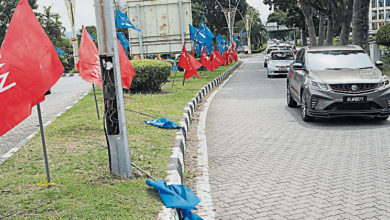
(355,99)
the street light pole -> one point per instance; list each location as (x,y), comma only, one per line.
(248,21)
(114,111)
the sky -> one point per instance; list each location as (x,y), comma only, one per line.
(85,12)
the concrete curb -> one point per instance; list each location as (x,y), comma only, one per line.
(69,74)
(176,163)
(12,151)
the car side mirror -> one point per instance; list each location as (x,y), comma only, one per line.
(379,63)
(297,66)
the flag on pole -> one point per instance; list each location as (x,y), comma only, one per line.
(175,67)
(92,36)
(189,63)
(236,40)
(29,67)
(89,61)
(204,60)
(221,43)
(59,51)
(127,70)
(122,21)
(216,60)
(205,37)
(124,42)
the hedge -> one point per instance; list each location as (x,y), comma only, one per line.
(150,75)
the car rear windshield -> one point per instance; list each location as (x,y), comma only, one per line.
(282,56)
(338,59)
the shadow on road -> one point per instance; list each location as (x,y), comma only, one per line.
(340,122)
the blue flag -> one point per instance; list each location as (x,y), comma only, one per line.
(243,33)
(123,40)
(175,67)
(92,36)
(122,21)
(236,40)
(205,37)
(59,51)
(221,43)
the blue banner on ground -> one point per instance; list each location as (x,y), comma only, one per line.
(122,21)
(164,123)
(177,196)
(59,51)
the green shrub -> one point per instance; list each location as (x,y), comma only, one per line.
(74,70)
(150,75)
(260,49)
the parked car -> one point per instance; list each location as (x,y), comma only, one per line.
(279,62)
(337,81)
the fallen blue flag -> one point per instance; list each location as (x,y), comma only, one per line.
(122,21)
(59,51)
(177,196)
(164,123)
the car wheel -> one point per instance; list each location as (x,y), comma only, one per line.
(304,115)
(290,101)
(382,118)
(265,64)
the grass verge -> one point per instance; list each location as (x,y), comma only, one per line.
(79,163)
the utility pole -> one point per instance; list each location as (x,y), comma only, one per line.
(70,5)
(115,120)
(248,32)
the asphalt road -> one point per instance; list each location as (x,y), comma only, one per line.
(265,162)
(64,93)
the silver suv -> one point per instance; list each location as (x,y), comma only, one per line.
(337,81)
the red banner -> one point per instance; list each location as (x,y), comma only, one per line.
(29,67)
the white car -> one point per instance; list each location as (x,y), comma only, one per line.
(267,55)
(279,62)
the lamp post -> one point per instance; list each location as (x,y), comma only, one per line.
(248,32)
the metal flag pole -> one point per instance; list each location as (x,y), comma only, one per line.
(184,77)
(174,79)
(97,107)
(43,144)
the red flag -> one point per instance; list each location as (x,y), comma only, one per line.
(231,56)
(189,63)
(216,59)
(89,62)
(127,70)
(29,67)
(226,57)
(206,62)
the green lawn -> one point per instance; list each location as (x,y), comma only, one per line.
(79,163)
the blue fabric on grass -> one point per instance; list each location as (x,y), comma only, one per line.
(177,196)
(164,123)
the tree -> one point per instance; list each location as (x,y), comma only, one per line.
(214,13)
(53,27)
(360,23)
(258,35)
(6,11)
(383,36)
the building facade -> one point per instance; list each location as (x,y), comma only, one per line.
(379,14)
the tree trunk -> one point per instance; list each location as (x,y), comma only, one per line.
(304,36)
(330,31)
(308,13)
(360,23)
(346,23)
(322,29)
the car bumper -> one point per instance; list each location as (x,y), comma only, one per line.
(277,71)
(331,104)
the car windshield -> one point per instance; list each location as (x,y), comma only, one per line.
(270,50)
(282,56)
(338,59)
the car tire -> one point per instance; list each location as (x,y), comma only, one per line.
(304,115)
(265,65)
(382,118)
(290,101)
